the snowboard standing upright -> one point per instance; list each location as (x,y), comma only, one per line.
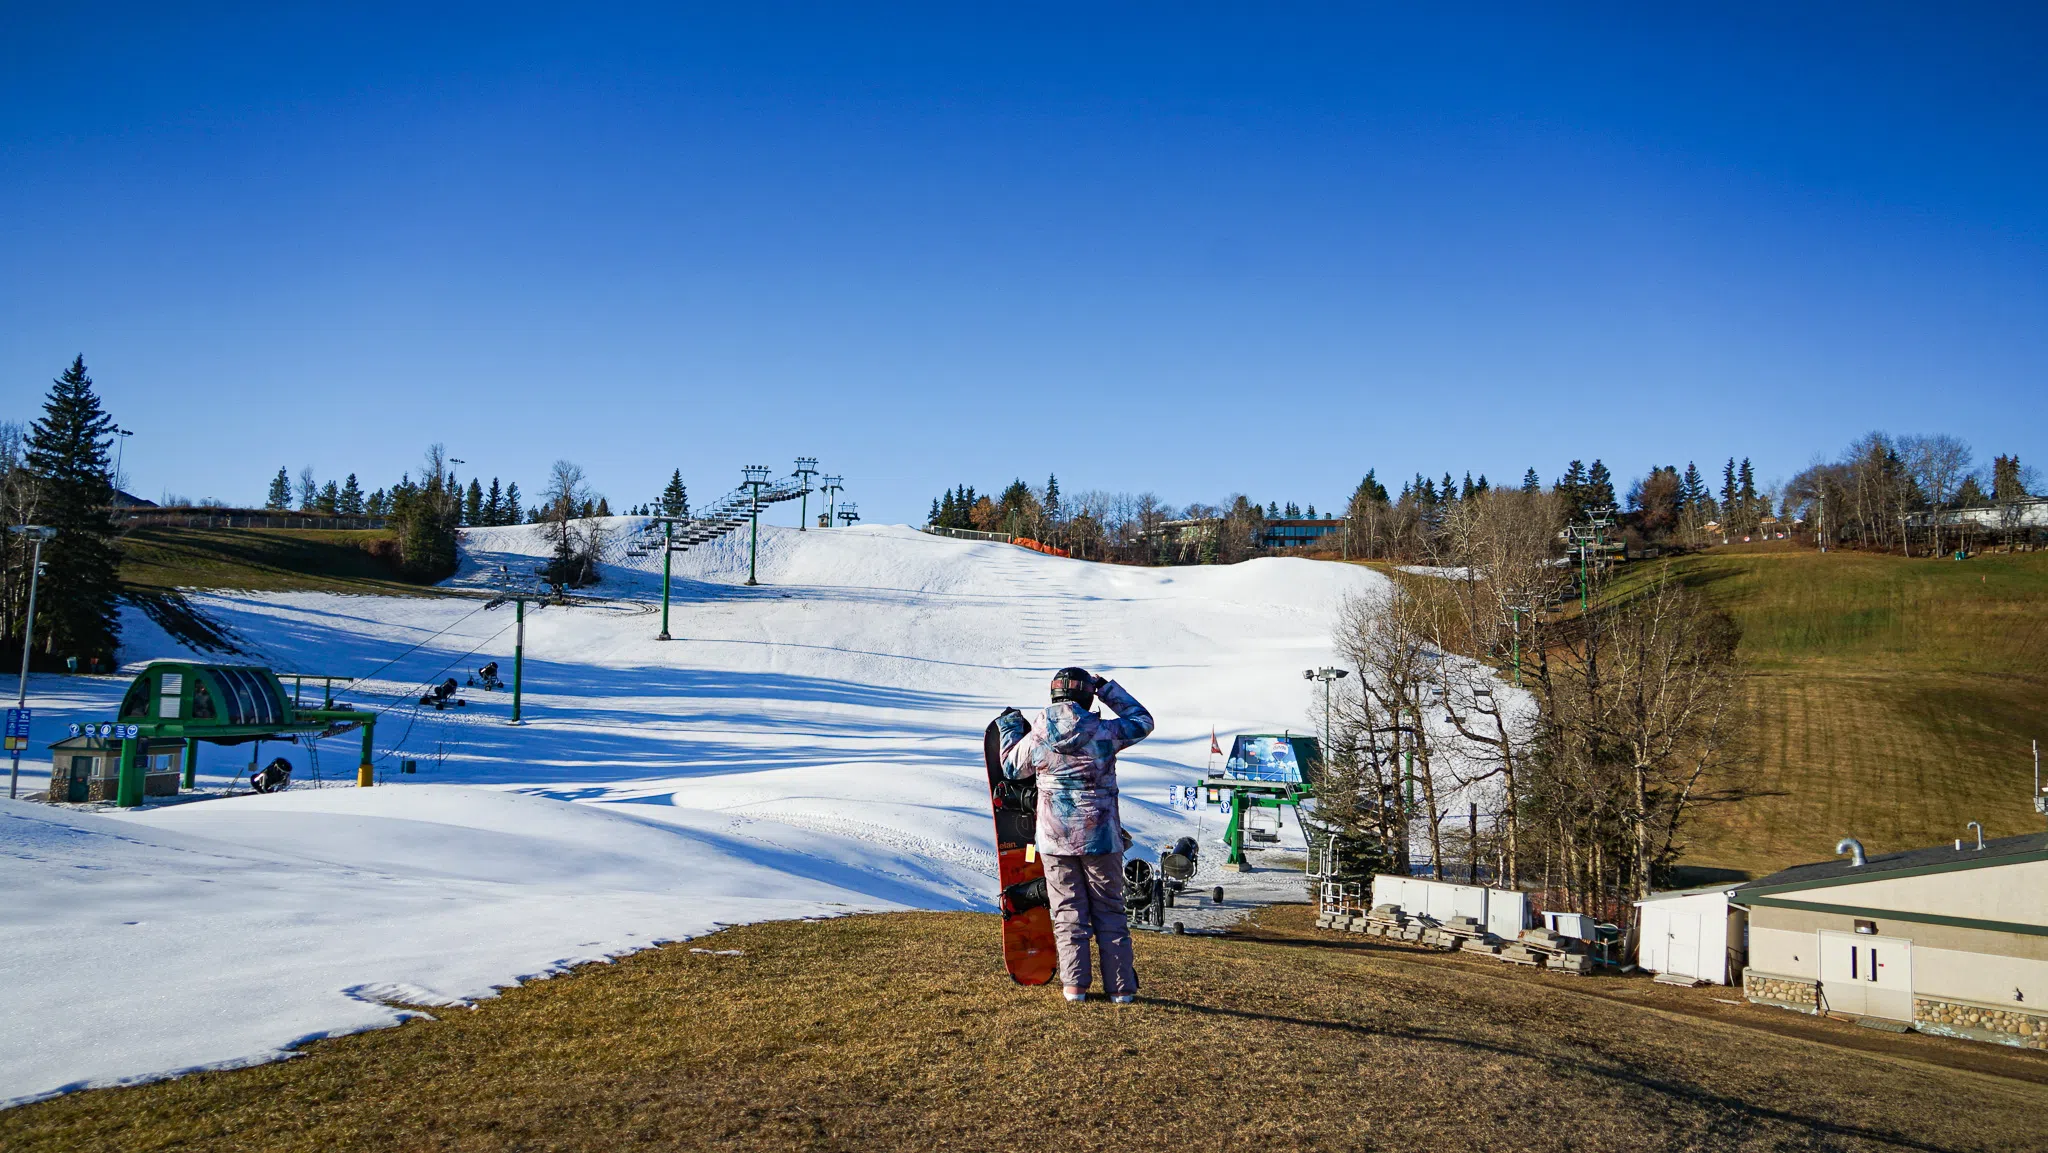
(1028,950)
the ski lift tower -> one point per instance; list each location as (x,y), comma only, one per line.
(806,468)
(830,486)
(1591,548)
(757,479)
(849,513)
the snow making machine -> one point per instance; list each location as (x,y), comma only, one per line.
(1264,773)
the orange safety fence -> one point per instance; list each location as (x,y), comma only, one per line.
(1034,546)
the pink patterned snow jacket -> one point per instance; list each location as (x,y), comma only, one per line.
(1073,753)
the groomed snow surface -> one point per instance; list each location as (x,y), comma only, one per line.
(807,747)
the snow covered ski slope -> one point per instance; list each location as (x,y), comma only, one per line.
(806,747)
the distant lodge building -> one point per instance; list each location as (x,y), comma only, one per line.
(1277,534)
(1281,534)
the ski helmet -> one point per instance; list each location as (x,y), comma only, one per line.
(1072,684)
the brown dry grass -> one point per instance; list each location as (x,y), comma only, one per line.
(899,1032)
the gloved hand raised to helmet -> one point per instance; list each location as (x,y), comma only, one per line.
(1077,685)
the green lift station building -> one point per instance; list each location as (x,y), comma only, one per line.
(182,701)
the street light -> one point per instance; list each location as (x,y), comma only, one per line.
(120,452)
(806,468)
(757,475)
(39,533)
(1328,676)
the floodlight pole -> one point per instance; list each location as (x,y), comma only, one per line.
(806,468)
(1328,676)
(41,533)
(668,556)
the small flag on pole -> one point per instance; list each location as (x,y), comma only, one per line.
(1215,750)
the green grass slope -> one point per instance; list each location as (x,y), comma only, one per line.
(1893,699)
(264,559)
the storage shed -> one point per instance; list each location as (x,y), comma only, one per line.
(86,768)
(1696,933)
(1952,939)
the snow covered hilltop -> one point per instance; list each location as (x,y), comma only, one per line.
(809,746)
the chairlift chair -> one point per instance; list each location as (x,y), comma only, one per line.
(1263,825)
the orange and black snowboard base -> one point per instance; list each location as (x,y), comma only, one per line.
(1028,950)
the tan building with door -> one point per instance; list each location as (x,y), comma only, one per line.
(86,769)
(1949,940)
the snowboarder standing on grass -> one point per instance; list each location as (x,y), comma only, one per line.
(1080,832)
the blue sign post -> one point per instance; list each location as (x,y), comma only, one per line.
(17,740)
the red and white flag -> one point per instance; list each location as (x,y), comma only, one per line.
(1215,750)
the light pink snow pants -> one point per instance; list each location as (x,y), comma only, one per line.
(1087,895)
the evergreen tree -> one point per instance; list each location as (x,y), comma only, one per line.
(1466,490)
(604,507)
(309,490)
(67,454)
(494,504)
(1531,482)
(512,513)
(351,497)
(1272,510)
(1053,511)
(1970,494)
(1449,489)
(473,503)
(1371,488)
(1745,485)
(1311,514)
(1730,498)
(378,504)
(1292,511)
(280,497)
(1572,487)
(675,499)
(2007,481)
(427,516)
(1692,491)
(1482,486)
(329,500)
(1599,487)
(935,519)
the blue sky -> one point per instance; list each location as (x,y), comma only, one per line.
(1193,249)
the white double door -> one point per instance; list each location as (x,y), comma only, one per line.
(1867,975)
